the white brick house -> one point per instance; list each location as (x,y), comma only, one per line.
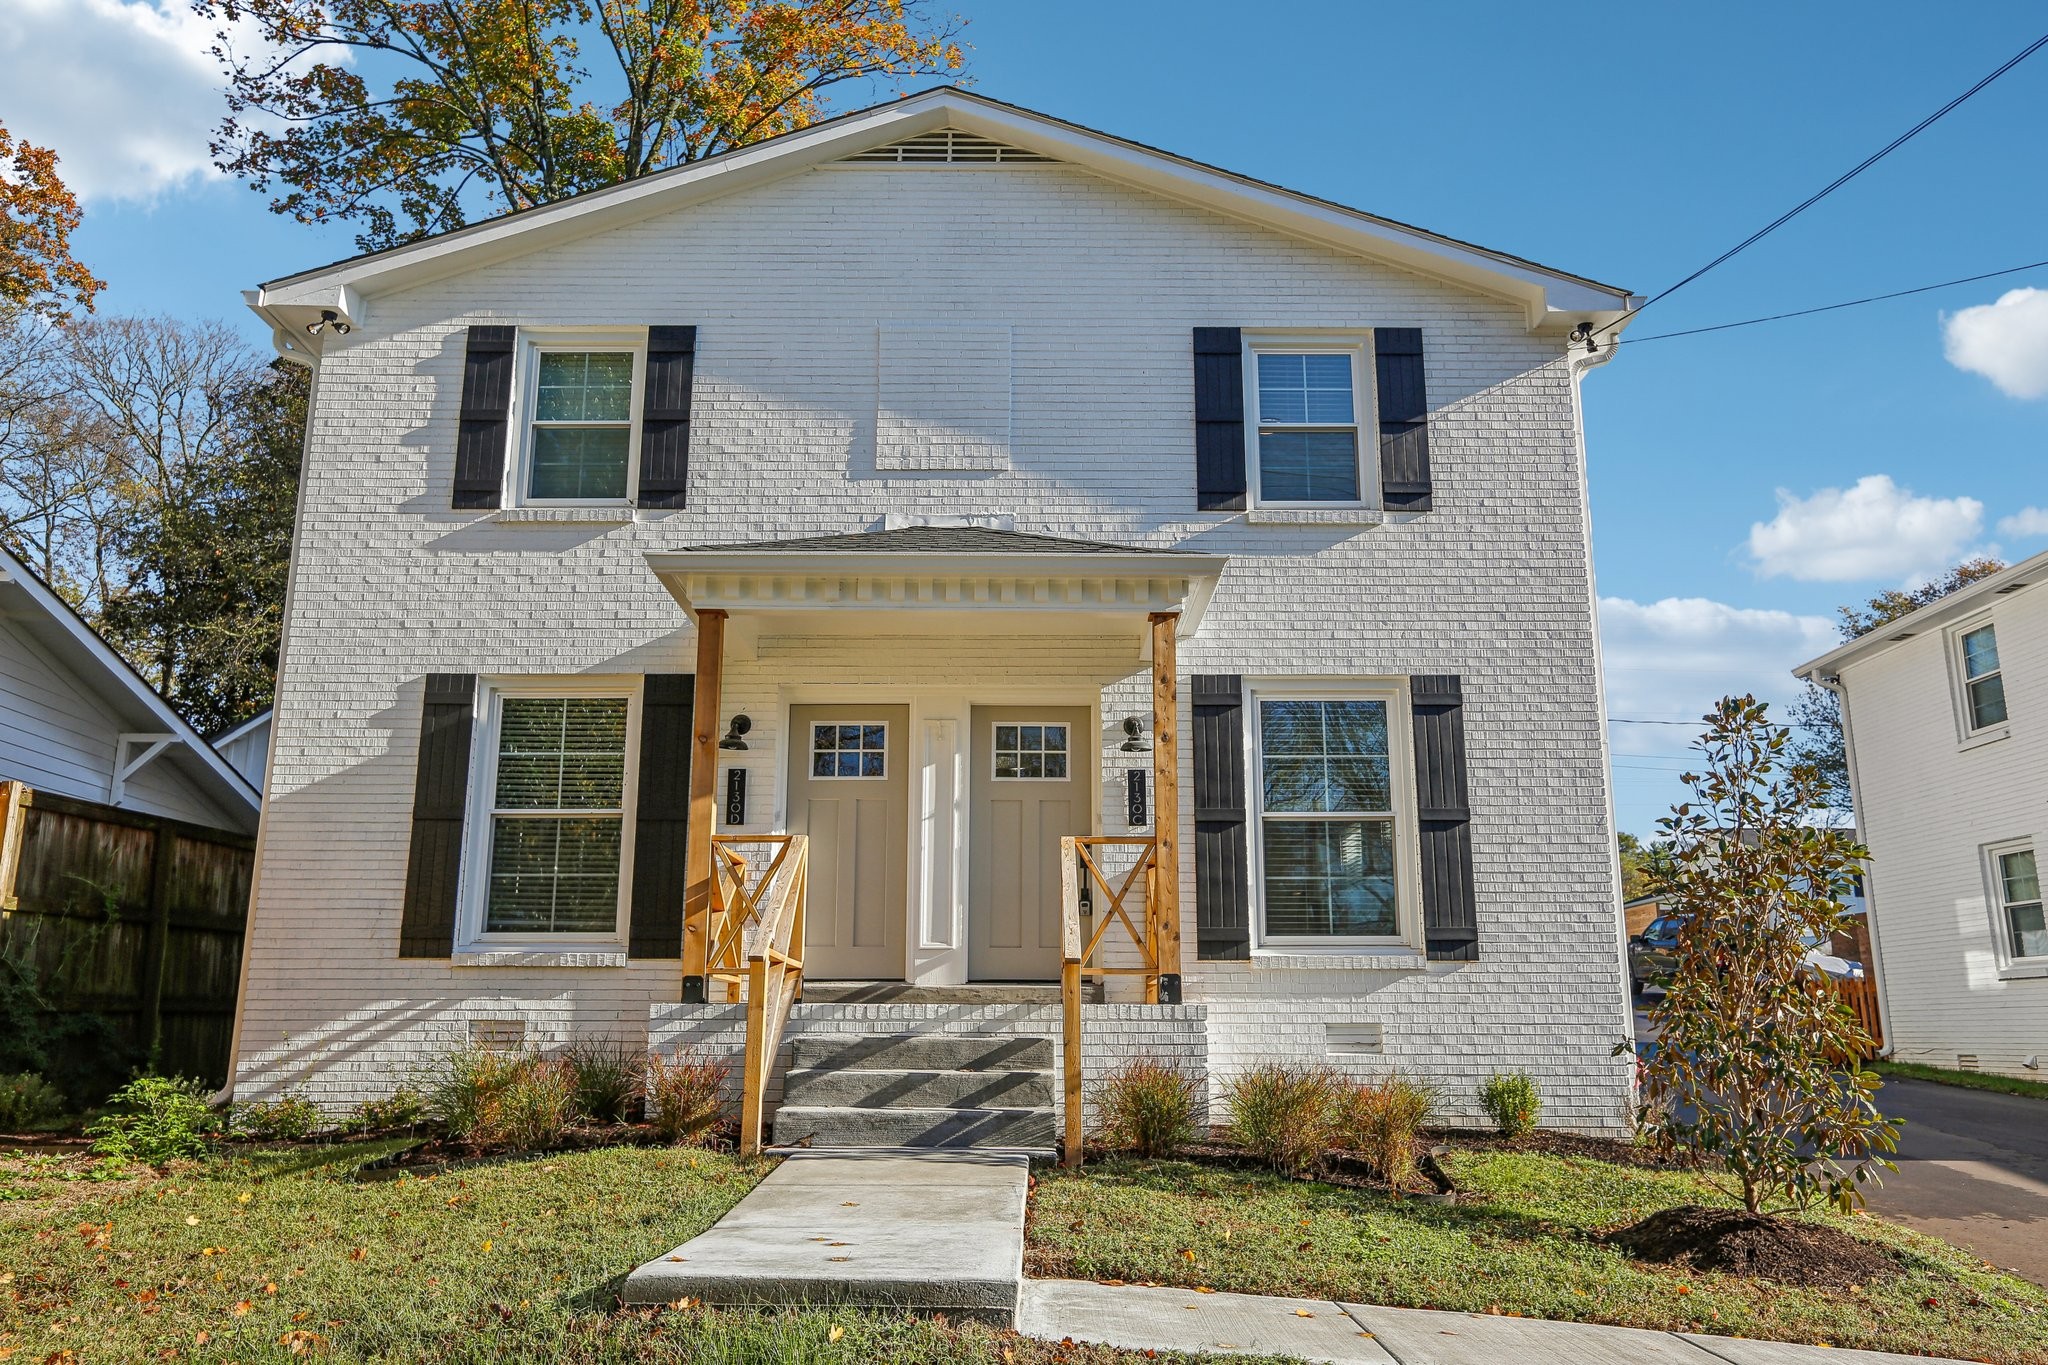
(951,409)
(1945,713)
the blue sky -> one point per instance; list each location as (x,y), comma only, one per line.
(1743,484)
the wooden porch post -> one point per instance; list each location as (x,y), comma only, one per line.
(703,805)
(1164,908)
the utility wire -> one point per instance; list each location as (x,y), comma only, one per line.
(1859,168)
(1831,307)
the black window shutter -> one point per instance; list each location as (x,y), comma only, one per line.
(433,871)
(1223,891)
(1404,418)
(1450,920)
(1219,419)
(665,417)
(486,417)
(661,815)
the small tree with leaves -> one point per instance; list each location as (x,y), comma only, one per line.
(1756,1065)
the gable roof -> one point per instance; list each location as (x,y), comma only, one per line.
(1933,616)
(1551,298)
(49,619)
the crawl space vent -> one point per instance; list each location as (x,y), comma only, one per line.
(1354,1040)
(497,1035)
(1966,1061)
(948,147)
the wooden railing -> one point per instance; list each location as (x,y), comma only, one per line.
(1080,943)
(757,949)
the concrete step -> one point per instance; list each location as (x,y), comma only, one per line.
(866,1088)
(837,1126)
(898,993)
(919,1052)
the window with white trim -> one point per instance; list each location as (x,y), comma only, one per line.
(581,432)
(1331,833)
(556,789)
(2016,886)
(1308,401)
(1981,680)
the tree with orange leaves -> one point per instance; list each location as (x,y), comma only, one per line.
(404,115)
(37,216)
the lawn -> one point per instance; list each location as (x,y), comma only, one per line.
(1968,1080)
(284,1255)
(1522,1244)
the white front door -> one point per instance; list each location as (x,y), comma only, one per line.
(849,790)
(1030,787)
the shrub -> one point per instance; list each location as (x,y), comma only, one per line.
(402,1108)
(468,1084)
(1382,1122)
(532,1110)
(607,1078)
(1510,1100)
(153,1119)
(685,1095)
(1147,1107)
(289,1117)
(1286,1116)
(27,1100)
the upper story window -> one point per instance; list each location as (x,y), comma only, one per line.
(1330,827)
(581,434)
(1983,680)
(1308,400)
(2017,881)
(556,774)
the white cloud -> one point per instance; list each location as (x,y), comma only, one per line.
(123,90)
(1875,530)
(2006,341)
(1673,659)
(2028,521)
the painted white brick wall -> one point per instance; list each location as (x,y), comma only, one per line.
(1099,286)
(1929,806)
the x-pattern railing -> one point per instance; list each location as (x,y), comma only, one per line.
(757,944)
(1081,866)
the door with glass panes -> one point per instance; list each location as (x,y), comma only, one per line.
(1030,788)
(849,791)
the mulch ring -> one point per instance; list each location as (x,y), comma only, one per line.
(1754,1245)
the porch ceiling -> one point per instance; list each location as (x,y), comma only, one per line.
(990,583)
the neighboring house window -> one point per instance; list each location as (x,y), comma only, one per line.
(1308,401)
(1329,838)
(582,437)
(849,750)
(2018,883)
(1030,751)
(558,790)
(1983,681)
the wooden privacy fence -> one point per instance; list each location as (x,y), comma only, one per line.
(131,917)
(1860,995)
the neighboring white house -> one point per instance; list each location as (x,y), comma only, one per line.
(77,721)
(1946,715)
(946,419)
(246,747)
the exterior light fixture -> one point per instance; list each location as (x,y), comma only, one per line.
(1583,335)
(1134,736)
(740,725)
(328,318)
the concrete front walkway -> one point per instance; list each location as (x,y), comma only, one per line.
(1357,1334)
(883,1228)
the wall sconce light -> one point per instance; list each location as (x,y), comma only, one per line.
(740,725)
(1134,736)
(328,318)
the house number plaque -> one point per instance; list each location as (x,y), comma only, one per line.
(735,796)
(1135,812)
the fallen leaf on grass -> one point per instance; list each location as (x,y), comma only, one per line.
(358,1253)
(241,1308)
(836,1333)
(244,1197)
(191,1220)
(302,1342)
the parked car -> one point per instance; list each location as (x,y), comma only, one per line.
(1653,953)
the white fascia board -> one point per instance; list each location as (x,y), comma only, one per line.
(1551,299)
(97,654)
(1932,617)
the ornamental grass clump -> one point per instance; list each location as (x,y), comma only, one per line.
(608,1076)
(685,1096)
(1284,1115)
(1382,1121)
(1147,1107)
(1510,1100)
(533,1110)
(469,1084)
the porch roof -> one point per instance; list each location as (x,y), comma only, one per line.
(942,579)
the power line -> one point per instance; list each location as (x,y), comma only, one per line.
(1629,720)
(1859,168)
(1831,307)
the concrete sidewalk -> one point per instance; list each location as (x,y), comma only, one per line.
(1357,1334)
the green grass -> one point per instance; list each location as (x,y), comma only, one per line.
(1968,1080)
(1524,1246)
(245,1258)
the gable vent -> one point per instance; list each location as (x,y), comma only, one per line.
(948,147)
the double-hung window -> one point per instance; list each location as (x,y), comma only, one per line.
(1982,681)
(2016,882)
(556,790)
(581,436)
(1308,401)
(1330,838)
